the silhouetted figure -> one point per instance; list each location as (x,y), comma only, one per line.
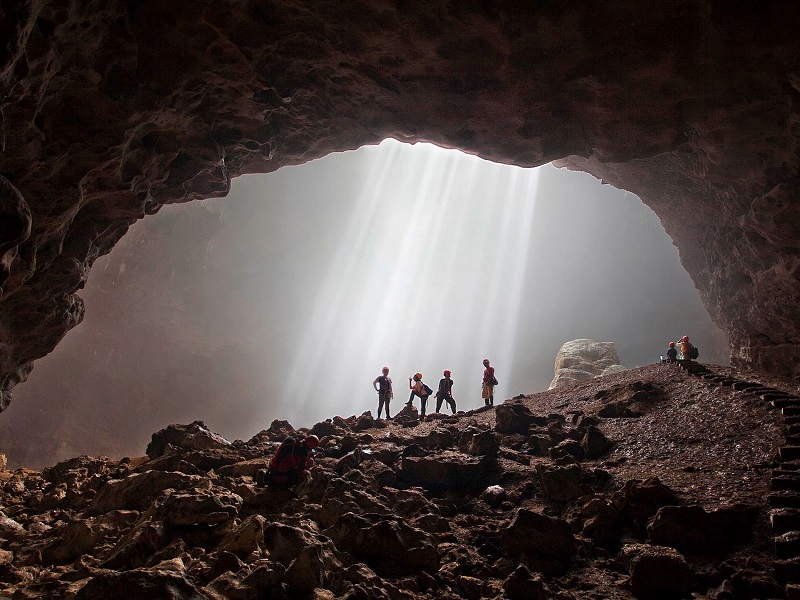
(383,385)
(489,381)
(445,393)
(672,352)
(292,461)
(419,389)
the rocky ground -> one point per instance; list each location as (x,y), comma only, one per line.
(649,483)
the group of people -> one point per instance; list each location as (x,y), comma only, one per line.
(444,394)
(687,351)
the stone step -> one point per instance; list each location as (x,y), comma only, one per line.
(784,499)
(791,440)
(791,420)
(787,545)
(789,453)
(784,402)
(777,484)
(792,591)
(770,395)
(745,385)
(793,429)
(787,570)
(790,411)
(787,470)
(784,520)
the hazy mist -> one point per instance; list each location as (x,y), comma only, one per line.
(285,299)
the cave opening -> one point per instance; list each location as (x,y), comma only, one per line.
(285,299)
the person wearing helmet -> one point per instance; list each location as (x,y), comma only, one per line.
(445,393)
(686,348)
(420,389)
(672,352)
(292,461)
(489,381)
(383,385)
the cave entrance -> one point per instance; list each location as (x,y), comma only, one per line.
(285,299)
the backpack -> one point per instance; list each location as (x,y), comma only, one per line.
(694,352)
(428,391)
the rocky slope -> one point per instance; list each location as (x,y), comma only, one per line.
(110,110)
(650,482)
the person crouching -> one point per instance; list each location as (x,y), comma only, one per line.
(291,463)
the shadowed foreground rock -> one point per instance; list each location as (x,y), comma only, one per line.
(437,511)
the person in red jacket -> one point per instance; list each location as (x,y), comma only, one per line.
(292,461)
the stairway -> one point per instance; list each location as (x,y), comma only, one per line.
(784,497)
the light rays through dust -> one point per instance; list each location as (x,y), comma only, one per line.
(428,275)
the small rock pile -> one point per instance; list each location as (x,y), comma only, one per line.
(520,510)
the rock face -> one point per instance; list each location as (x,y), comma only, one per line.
(583,359)
(110,113)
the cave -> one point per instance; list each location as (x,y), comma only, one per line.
(109,113)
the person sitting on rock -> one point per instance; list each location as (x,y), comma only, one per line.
(292,461)
(672,352)
(445,393)
(419,389)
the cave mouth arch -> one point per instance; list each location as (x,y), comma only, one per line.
(108,114)
(284,299)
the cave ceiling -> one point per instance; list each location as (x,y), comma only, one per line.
(110,110)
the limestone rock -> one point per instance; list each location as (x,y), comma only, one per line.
(446,471)
(535,534)
(200,506)
(137,491)
(194,436)
(583,359)
(140,583)
(656,571)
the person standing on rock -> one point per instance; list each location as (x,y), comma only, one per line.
(489,381)
(418,388)
(445,393)
(383,385)
(292,461)
(672,353)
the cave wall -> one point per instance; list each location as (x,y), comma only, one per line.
(110,110)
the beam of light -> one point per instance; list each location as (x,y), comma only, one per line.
(428,275)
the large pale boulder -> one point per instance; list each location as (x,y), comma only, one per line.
(584,359)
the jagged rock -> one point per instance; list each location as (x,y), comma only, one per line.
(278,431)
(308,571)
(194,436)
(140,583)
(9,528)
(245,468)
(535,534)
(326,428)
(262,582)
(580,360)
(3,462)
(385,543)
(513,418)
(601,521)
(642,499)
(656,571)
(693,529)
(439,438)
(594,443)
(246,538)
(540,444)
(569,448)
(138,490)
(478,443)
(364,422)
(448,470)
(81,536)
(137,546)
(524,585)
(562,483)
(494,496)
(200,506)
(83,466)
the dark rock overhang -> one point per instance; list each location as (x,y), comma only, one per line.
(109,113)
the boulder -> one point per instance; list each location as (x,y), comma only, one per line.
(535,534)
(513,418)
(278,431)
(138,490)
(567,448)
(448,470)
(246,538)
(584,359)
(364,422)
(200,507)
(81,536)
(385,543)
(524,585)
(140,583)
(194,436)
(640,500)
(656,571)
(594,443)
(562,483)
(693,529)
(439,438)
(478,443)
